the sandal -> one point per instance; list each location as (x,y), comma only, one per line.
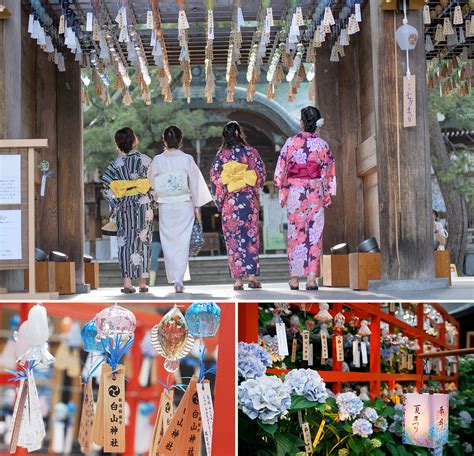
(238,287)
(179,288)
(311,287)
(293,287)
(254,284)
(128,290)
(143,290)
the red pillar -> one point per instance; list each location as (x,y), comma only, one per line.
(248,322)
(375,356)
(225,401)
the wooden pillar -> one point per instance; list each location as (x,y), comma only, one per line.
(248,322)
(337,98)
(327,92)
(403,165)
(70,164)
(47,206)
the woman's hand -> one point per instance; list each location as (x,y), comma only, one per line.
(197,214)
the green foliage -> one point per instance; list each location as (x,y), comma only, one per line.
(148,121)
(285,437)
(458,113)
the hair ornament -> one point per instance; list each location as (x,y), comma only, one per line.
(320,122)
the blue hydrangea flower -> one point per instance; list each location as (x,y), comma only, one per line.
(467,447)
(253,360)
(398,407)
(349,405)
(362,427)
(307,383)
(370,414)
(264,398)
(381,423)
(465,417)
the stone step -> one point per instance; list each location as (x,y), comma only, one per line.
(206,271)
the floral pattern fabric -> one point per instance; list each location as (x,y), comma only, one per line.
(239,210)
(305,199)
(133,214)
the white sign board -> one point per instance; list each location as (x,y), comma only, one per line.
(10,234)
(10,179)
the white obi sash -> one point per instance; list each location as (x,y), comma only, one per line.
(172,187)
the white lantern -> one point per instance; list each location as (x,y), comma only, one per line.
(426,420)
(407,37)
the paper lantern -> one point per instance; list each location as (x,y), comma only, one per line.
(203,319)
(425,419)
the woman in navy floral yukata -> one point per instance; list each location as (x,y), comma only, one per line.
(237,176)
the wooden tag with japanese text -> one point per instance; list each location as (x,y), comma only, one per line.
(409,101)
(184,433)
(87,418)
(114,409)
(98,425)
(163,420)
(18,415)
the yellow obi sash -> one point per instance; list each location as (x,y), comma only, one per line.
(123,188)
(236,176)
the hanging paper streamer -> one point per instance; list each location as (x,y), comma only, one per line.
(305,335)
(207,413)
(144,377)
(171,338)
(355,353)
(203,319)
(324,344)
(183,435)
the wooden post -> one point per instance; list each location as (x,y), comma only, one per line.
(403,156)
(70,165)
(47,206)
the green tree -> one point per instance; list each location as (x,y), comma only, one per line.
(453,166)
(148,121)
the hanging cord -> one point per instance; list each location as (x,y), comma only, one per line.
(405,21)
(397,197)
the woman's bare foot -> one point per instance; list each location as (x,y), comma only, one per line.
(294,283)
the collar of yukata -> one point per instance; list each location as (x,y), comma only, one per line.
(307,134)
(133,151)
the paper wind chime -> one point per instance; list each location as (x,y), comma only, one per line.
(95,358)
(326,319)
(184,57)
(27,426)
(294,330)
(180,432)
(115,331)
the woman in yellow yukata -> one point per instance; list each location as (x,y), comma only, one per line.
(128,192)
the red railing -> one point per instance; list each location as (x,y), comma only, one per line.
(248,332)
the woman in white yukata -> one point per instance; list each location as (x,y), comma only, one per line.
(181,190)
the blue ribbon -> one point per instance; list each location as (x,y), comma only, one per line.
(202,368)
(94,368)
(115,349)
(22,373)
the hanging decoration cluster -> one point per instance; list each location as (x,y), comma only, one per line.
(109,40)
(447,29)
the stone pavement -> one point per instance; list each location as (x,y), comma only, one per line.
(461,291)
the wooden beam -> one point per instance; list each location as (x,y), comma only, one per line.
(24,143)
(367,156)
(70,164)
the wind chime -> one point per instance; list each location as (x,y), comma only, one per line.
(179,432)
(233,54)
(184,57)
(27,428)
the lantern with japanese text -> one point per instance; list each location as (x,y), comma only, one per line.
(426,419)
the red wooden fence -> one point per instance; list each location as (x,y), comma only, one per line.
(248,332)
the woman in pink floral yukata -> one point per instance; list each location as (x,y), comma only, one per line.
(237,176)
(305,176)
